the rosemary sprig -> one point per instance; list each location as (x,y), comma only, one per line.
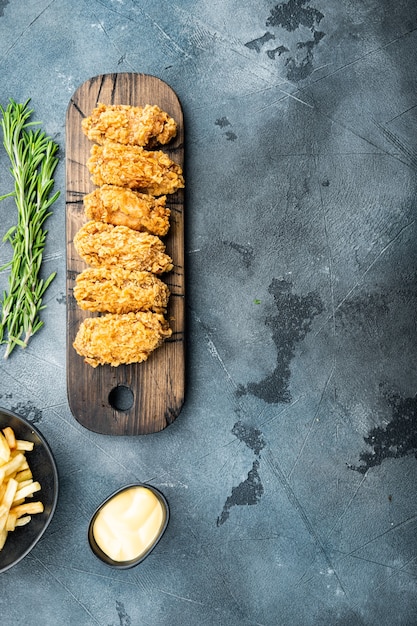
(33,160)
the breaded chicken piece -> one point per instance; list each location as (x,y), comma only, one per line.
(124,207)
(140,126)
(117,290)
(100,244)
(117,339)
(134,167)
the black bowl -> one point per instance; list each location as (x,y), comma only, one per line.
(42,464)
(128,564)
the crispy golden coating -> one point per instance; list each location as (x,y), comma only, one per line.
(100,244)
(151,172)
(116,339)
(124,207)
(117,290)
(140,126)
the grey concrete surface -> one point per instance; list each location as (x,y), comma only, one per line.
(291,471)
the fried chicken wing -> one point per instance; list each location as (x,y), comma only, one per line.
(121,206)
(151,172)
(140,126)
(117,290)
(100,244)
(120,339)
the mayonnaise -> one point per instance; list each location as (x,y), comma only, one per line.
(129,523)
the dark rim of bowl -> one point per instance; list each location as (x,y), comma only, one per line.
(8,413)
(133,562)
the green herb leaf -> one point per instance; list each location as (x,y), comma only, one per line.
(33,158)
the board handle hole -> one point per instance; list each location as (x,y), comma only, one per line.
(121,398)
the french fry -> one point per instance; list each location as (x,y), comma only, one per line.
(4,449)
(23,475)
(15,464)
(10,522)
(23,483)
(3,537)
(7,501)
(16,484)
(24,445)
(10,437)
(29,508)
(28,490)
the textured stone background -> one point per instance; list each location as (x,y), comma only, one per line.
(291,471)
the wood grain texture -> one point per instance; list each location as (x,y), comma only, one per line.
(157,385)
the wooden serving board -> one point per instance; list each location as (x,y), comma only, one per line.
(143,397)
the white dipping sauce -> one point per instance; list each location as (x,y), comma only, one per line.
(129,523)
